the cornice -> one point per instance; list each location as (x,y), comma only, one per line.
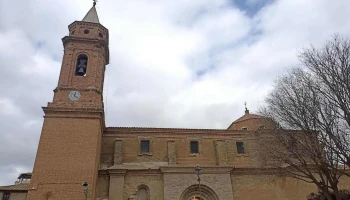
(174,133)
(77,112)
(62,88)
(117,172)
(191,170)
(176,136)
(82,23)
(257,171)
(129,132)
(112,131)
(67,39)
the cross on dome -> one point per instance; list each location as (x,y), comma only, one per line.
(246,109)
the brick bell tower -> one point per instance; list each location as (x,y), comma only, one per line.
(69,148)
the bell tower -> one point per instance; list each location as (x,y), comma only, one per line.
(70,142)
(86,54)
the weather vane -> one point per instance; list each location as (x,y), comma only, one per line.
(95,1)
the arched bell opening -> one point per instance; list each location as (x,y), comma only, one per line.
(195,193)
(81,65)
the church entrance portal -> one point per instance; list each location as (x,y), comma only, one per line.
(193,193)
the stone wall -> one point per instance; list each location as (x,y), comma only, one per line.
(15,195)
(176,184)
(18,196)
(134,180)
(103,186)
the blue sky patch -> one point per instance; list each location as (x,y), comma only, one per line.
(251,7)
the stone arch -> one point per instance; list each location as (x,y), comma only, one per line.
(193,191)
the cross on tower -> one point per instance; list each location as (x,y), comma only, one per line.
(95,1)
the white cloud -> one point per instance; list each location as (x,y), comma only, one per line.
(9,108)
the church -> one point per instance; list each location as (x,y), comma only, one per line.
(79,157)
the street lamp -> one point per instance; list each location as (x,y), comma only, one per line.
(85,188)
(198,169)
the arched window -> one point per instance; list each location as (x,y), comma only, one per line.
(143,193)
(81,65)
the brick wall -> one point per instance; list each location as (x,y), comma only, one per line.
(264,187)
(216,148)
(67,156)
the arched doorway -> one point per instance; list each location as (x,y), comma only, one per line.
(193,193)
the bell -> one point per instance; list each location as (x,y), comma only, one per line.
(81,70)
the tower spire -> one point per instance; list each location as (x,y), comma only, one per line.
(92,16)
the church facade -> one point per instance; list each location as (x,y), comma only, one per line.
(123,163)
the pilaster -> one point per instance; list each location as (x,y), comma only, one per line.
(116,184)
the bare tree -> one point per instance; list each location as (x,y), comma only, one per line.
(345,195)
(330,68)
(314,101)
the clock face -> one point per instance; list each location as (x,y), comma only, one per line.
(74,95)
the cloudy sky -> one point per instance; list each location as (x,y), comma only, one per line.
(174,63)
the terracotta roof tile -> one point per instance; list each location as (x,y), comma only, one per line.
(19,187)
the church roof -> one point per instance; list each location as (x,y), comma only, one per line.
(92,16)
(18,187)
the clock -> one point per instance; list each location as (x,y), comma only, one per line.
(74,95)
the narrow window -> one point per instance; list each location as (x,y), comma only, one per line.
(240,147)
(145,146)
(81,65)
(6,196)
(262,127)
(194,147)
(244,128)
